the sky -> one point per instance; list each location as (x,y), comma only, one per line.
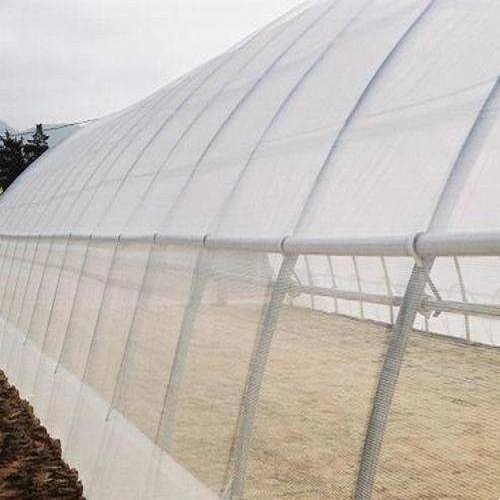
(71,60)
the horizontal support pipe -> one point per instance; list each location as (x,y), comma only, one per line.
(427,303)
(260,244)
(353,296)
(397,246)
(456,307)
(417,245)
(458,244)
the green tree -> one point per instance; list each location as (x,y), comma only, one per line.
(12,159)
(15,155)
(36,146)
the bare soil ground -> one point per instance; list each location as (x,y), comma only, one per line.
(31,466)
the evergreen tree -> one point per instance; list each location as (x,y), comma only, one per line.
(36,146)
(12,159)
(15,155)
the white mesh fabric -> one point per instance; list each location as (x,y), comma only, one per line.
(154,361)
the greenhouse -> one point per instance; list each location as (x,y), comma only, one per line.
(278,276)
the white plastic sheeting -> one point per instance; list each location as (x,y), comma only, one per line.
(344,119)
(378,95)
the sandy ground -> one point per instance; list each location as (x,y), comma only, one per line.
(443,438)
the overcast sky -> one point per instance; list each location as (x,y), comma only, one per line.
(69,60)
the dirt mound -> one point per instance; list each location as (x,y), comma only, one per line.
(31,466)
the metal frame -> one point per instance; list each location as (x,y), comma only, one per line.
(126,352)
(359,287)
(5,326)
(427,303)
(6,258)
(423,247)
(255,377)
(28,281)
(419,245)
(387,382)
(463,293)
(334,281)
(415,289)
(68,324)
(52,306)
(310,280)
(90,352)
(388,287)
(169,407)
(73,304)
(19,271)
(38,291)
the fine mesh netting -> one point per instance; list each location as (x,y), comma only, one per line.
(277,277)
(443,423)
(171,373)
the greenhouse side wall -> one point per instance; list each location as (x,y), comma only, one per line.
(175,371)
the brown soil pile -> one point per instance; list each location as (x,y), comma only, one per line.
(31,466)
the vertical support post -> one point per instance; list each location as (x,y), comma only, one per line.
(388,287)
(167,417)
(5,287)
(12,298)
(98,465)
(52,306)
(93,341)
(62,352)
(73,304)
(25,293)
(334,282)
(14,293)
(4,359)
(126,352)
(360,289)
(309,279)
(39,290)
(388,380)
(255,377)
(101,311)
(445,205)
(28,281)
(427,326)
(4,255)
(6,258)
(56,292)
(464,296)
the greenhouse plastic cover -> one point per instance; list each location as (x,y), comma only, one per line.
(343,119)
